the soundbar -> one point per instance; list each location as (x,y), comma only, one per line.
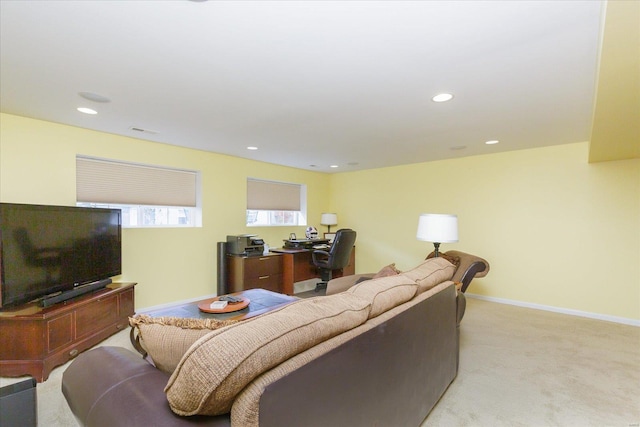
(80,290)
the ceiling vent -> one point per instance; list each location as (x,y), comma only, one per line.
(136,129)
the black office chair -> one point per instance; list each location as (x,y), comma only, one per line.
(336,258)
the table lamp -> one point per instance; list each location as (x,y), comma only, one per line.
(329,219)
(438,228)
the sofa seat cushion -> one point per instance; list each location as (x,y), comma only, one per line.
(430,272)
(167,339)
(219,365)
(385,292)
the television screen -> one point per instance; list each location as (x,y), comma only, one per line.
(49,249)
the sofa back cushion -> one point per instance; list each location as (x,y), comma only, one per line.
(385,293)
(167,339)
(219,365)
(430,272)
(387,270)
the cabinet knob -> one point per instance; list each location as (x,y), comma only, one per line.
(119,326)
(73,353)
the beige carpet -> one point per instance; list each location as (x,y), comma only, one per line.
(525,367)
(518,367)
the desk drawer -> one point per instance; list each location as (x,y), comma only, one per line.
(256,267)
(265,271)
(271,282)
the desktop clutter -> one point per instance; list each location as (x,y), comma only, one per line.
(251,244)
(311,241)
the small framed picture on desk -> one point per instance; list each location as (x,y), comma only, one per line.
(330,236)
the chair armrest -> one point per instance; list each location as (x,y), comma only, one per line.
(319,256)
(341,284)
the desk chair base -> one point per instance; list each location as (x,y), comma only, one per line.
(325,276)
(320,285)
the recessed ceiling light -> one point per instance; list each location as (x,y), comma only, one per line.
(333,166)
(442,97)
(494,141)
(94,97)
(252,148)
(87,110)
(458,147)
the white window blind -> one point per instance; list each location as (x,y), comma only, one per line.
(273,196)
(106,181)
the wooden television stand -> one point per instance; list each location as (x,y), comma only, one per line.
(34,339)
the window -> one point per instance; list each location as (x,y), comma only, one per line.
(272,203)
(149,196)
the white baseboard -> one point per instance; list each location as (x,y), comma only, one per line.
(568,311)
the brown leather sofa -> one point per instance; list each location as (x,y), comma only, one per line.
(390,370)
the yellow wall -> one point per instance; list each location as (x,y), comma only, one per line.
(37,165)
(557,231)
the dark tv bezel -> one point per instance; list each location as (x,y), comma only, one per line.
(63,291)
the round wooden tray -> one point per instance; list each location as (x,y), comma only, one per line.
(206,306)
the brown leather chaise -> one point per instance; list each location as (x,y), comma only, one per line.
(468,267)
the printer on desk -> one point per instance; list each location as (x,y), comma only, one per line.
(245,245)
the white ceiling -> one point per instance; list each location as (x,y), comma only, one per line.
(320,83)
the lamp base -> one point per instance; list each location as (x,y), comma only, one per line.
(437,249)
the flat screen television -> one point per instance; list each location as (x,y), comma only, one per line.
(52,253)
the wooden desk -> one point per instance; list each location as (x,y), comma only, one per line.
(277,271)
(298,266)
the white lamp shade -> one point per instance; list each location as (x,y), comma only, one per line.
(329,219)
(440,228)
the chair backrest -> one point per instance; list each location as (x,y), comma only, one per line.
(341,248)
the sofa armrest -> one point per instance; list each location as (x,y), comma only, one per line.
(341,284)
(461,306)
(470,266)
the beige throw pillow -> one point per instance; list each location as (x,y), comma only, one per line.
(218,366)
(166,339)
(430,273)
(385,292)
(388,270)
